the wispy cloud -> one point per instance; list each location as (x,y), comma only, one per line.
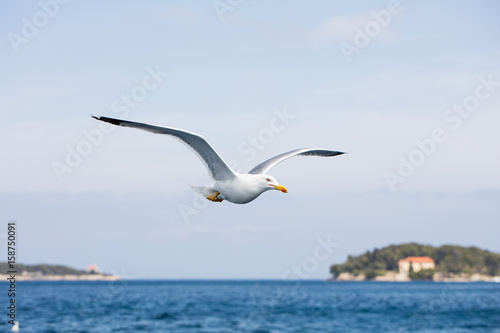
(339,28)
(179,14)
(343,28)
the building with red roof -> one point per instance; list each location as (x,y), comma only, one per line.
(93,269)
(416,263)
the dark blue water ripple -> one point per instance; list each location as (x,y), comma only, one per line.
(256,306)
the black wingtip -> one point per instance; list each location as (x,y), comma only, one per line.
(94,117)
(109,120)
(338,153)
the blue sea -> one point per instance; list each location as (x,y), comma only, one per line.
(255,306)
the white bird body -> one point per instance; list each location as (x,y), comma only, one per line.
(244,188)
(15,328)
(229,185)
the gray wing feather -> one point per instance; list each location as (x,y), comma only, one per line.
(218,169)
(266,165)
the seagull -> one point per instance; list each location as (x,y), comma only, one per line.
(15,328)
(238,188)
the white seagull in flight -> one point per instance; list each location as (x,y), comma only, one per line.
(229,185)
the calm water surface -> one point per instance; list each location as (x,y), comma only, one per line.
(255,306)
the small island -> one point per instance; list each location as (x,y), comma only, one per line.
(412,261)
(55,273)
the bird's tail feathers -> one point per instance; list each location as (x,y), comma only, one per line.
(204,191)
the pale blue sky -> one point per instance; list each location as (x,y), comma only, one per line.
(121,206)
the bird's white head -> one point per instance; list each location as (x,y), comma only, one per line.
(270,183)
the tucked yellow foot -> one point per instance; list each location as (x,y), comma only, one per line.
(214,197)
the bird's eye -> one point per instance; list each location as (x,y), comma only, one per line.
(268,180)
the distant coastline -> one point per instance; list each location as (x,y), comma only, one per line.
(54,273)
(69,277)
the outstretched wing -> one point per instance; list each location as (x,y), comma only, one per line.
(265,166)
(218,169)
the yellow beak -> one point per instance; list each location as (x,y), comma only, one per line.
(280,188)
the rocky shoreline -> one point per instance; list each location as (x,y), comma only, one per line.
(392,276)
(68,277)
